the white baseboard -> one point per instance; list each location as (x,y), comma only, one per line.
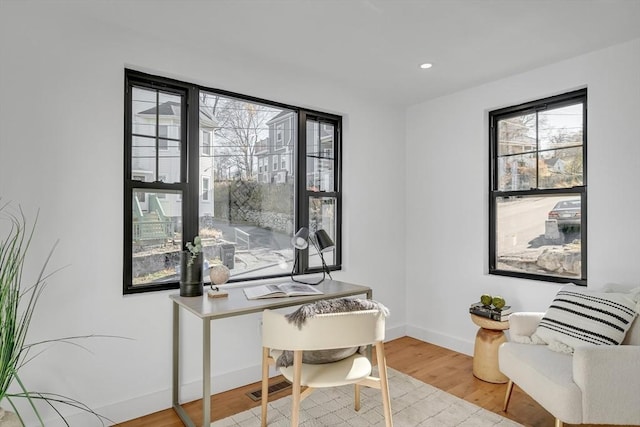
(442,340)
(395,332)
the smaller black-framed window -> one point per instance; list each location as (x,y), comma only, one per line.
(538,189)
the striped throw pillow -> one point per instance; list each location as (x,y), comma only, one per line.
(576,318)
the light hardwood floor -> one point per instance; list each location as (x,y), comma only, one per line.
(442,368)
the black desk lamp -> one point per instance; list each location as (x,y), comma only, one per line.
(321,241)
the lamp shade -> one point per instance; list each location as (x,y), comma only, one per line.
(324,241)
(299,240)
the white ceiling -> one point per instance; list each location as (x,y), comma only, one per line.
(376,46)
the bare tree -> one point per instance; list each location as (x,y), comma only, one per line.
(517,134)
(209,102)
(241,128)
(242,125)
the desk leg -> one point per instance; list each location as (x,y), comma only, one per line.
(175,384)
(370,347)
(206,372)
(176,354)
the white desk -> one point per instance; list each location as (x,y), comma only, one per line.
(236,304)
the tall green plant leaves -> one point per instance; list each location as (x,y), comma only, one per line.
(17,306)
(13,323)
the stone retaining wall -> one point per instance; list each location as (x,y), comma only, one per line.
(562,260)
(154,262)
(270,221)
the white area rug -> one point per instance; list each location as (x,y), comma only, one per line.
(413,404)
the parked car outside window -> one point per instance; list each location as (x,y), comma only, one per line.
(567,213)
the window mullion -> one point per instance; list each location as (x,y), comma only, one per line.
(537,150)
(301,193)
(190,226)
(157,138)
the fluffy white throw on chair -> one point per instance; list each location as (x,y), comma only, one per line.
(337,305)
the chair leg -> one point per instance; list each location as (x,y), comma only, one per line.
(264,398)
(384,383)
(559,423)
(295,394)
(356,397)
(507,396)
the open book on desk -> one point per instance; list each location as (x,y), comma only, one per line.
(286,289)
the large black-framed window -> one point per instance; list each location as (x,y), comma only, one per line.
(538,189)
(201,162)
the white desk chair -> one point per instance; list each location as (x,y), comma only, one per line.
(325,331)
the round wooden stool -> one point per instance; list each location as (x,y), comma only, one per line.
(485,352)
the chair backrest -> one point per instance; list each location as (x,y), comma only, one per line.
(323,331)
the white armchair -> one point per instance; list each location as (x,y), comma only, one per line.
(597,384)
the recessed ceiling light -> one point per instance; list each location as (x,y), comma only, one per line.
(426,65)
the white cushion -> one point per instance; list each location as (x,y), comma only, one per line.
(346,371)
(633,334)
(546,376)
(579,317)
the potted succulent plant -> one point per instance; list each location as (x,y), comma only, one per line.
(18,302)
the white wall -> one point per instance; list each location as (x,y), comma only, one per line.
(61,150)
(447,191)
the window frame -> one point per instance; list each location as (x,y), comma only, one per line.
(189,187)
(553,102)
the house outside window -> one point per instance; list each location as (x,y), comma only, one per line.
(162,178)
(206,143)
(175,190)
(142,198)
(205,188)
(538,189)
(163,132)
(279,135)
